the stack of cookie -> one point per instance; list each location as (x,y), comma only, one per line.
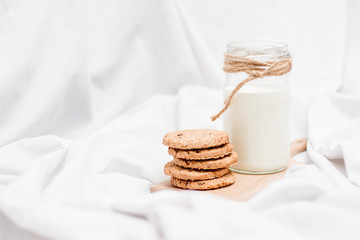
(202,158)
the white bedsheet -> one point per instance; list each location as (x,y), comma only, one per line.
(88,90)
(98,187)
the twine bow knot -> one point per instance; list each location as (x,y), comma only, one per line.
(254,69)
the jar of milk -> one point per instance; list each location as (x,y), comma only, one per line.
(258,118)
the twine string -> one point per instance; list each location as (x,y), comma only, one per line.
(254,69)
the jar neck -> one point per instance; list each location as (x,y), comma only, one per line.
(259,50)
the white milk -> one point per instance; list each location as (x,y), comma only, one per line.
(258,122)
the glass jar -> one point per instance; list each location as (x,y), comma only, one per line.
(258,118)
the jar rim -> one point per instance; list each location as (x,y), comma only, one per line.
(259,50)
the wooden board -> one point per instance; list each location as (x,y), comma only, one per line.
(245,185)
(243,189)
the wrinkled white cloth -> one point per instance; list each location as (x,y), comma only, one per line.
(334,133)
(89,88)
(98,187)
(70,67)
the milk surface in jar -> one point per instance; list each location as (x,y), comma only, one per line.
(258,118)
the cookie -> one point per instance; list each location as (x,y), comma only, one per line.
(175,171)
(201,154)
(167,168)
(223,181)
(195,138)
(223,162)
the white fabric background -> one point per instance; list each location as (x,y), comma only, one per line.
(89,88)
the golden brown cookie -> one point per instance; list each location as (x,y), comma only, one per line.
(195,138)
(167,168)
(223,181)
(202,154)
(209,164)
(175,171)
